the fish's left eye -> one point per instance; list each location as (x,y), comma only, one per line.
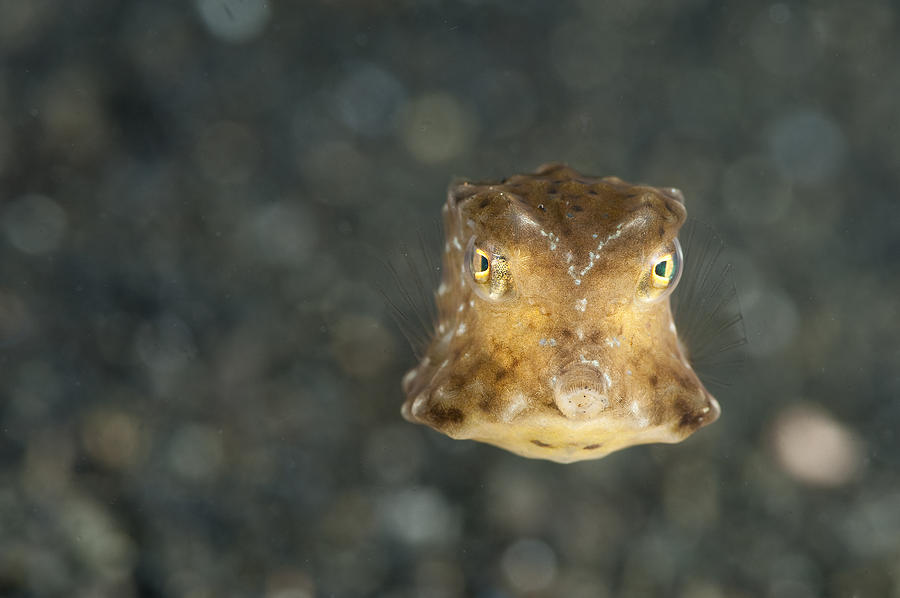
(663,271)
(662,275)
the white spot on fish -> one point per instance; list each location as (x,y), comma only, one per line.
(552,342)
(571,272)
(456,243)
(580,334)
(514,406)
(642,421)
(593,256)
(461,307)
(569,258)
(607,379)
(408,377)
(593,362)
(418,405)
(471,303)
(553,239)
(581,304)
(462,328)
(442,289)
(446,247)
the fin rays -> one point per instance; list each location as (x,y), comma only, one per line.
(707,308)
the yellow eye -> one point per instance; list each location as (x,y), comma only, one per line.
(663,271)
(481,265)
(662,274)
(488,271)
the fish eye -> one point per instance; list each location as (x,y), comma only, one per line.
(481,265)
(662,274)
(488,272)
(663,271)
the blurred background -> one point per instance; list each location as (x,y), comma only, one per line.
(199,381)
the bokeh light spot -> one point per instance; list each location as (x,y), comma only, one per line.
(807,147)
(34,224)
(529,565)
(234,20)
(815,448)
(437,128)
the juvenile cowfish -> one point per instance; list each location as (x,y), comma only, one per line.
(554,337)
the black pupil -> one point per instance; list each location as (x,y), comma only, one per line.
(484,264)
(660,269)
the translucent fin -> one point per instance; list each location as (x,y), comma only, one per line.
(706,307)
(410,277)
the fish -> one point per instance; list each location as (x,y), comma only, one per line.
(554,336)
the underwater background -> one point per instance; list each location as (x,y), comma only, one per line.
(200,381)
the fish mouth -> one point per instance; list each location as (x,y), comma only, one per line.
(708,412)
(581,391)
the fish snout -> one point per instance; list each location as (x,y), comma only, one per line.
(581,391)
(694,407)
(705,413)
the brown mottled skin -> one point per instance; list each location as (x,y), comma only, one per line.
(568,362)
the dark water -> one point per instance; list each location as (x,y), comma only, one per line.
(199,386)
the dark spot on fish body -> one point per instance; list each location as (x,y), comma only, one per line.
(592,447)
(654,380)
(687,416)
(439,415)
(690,420)
(541,444)
(680,379)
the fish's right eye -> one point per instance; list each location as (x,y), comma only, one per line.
(488,272)
(481,265)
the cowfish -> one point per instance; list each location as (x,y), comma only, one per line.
(554,336)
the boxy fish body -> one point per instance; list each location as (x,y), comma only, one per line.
(555,337)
